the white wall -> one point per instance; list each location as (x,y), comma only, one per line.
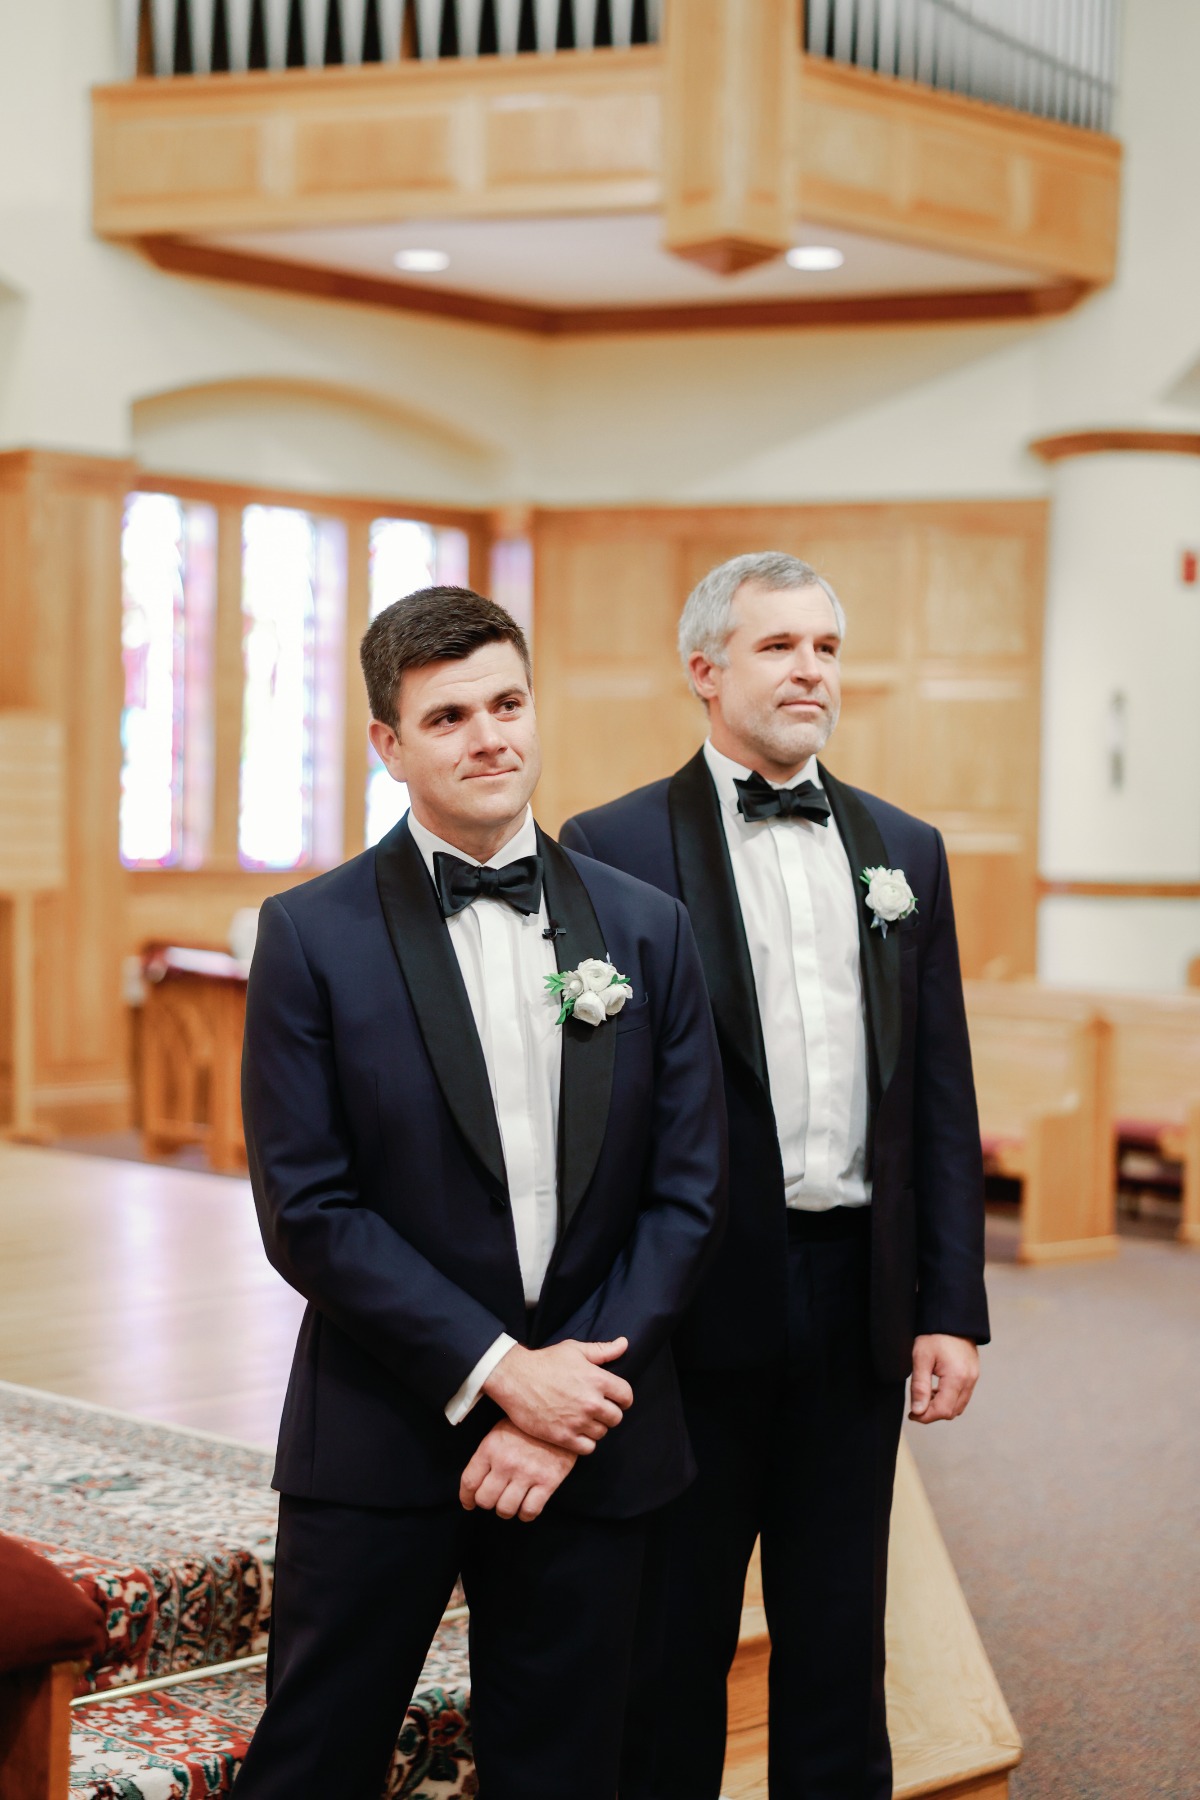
(1138,946)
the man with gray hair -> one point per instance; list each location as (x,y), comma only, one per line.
(853,1256)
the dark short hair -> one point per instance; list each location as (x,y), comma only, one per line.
(436,624)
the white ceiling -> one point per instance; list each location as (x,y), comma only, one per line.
(614,261)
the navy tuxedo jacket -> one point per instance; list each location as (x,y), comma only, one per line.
(924,1152)
(378,1175)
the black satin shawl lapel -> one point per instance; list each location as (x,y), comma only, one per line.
(880,955)
(708,891)
(588,1051)
(439,996)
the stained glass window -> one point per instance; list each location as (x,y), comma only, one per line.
(293,607)
(406,554)
(168,592)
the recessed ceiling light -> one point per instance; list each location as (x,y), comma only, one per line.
(421,262)
(814,257)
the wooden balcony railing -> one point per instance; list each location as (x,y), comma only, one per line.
(731,129)
(1055,59)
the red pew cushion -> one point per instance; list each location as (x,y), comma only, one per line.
(44,1617)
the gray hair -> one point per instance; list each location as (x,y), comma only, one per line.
(707,617)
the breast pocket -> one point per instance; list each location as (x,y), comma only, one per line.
(633,1016)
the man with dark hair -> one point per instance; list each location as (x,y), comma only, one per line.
(486,1139)
(854,1255)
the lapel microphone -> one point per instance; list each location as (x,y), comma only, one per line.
(554,930)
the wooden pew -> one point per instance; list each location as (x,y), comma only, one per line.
(952,1734)
(193,1021)
(1043,1075)
(1156,1083)
(35,1731)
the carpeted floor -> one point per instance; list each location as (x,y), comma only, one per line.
(1069,1498)
(172,1530)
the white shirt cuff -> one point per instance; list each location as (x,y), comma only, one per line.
(461,1403)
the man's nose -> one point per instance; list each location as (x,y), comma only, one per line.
(486,737)
(805,664)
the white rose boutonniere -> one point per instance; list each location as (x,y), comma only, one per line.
(889,896)
(591,993)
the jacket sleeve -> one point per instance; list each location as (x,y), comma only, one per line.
(948,1158)
(339,1253)
(679,1227)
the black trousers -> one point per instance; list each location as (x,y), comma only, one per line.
(358,1596)
(803,1453)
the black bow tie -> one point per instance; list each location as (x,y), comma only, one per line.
(757,800)
(459,883)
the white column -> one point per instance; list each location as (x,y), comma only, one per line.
(1120,800)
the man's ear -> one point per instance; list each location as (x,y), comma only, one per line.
(701,671)
(387,747)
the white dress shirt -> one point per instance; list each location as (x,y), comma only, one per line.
(799,906)
(504,961)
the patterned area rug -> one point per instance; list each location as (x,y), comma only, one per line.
(173,1531)
(188,1743)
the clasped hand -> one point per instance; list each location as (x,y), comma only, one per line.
(559,1402)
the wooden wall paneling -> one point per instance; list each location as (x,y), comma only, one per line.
(481,530)
(15,689)
(939,717)
(993,913)
(81,1021)
(868,555)
(865,750)
(32,846)
(60,621)
(355,710)
(614,706)
(977,727)
(193,907)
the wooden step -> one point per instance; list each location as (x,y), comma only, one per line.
(952,1734)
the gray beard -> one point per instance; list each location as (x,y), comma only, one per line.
(796,746)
